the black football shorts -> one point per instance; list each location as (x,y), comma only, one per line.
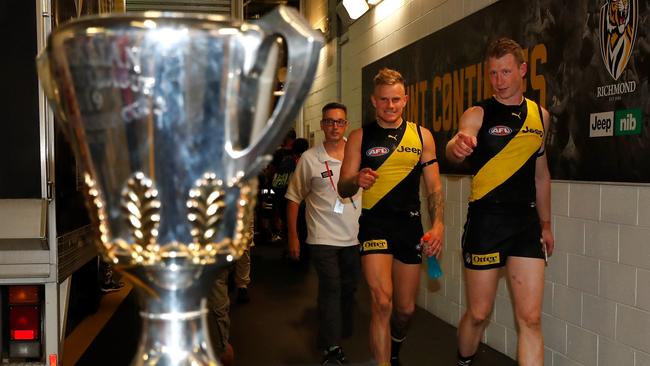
(398,236)
(492,235)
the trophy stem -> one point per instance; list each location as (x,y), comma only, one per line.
(174,320)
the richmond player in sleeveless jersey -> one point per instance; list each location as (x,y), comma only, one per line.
(508,219)
(386,159)
(390,222)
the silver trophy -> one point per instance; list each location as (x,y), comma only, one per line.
(169,114)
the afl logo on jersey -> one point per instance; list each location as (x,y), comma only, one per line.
(500,131)
(377,151)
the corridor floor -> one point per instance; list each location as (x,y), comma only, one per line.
(279,325)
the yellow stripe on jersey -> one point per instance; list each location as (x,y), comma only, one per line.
(397,167)
(512,157)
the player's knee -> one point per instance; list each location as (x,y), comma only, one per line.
(530,320)
(382,304)
(384,308)
(404,312)
(479,316)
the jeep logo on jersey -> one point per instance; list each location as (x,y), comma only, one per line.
(377,151)
(619,21)
(414,150)
(500,131)
(527,129)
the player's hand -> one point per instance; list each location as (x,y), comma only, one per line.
(431,241)
(463,145)
(548,241)
(366,178)
(294,248)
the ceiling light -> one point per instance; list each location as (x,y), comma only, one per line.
(355,8)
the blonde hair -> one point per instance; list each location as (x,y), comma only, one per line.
(388,76)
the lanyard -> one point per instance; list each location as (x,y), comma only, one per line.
(329,175)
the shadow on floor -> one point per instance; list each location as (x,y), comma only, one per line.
(279,325)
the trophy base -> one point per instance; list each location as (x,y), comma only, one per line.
(175,339)
(174,313)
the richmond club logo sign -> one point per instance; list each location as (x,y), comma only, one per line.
(619,21)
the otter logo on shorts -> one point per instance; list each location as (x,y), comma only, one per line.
(379,244)
(485,259)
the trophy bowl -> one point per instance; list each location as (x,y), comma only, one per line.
(172,117)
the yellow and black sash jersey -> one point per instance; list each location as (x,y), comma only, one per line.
(508,143)
(395,154)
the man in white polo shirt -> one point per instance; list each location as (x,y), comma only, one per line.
(332,227)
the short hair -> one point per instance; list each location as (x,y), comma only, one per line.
(388,76)
(300,146)
(504,46)
(334,105)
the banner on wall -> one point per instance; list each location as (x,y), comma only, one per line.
(588,65)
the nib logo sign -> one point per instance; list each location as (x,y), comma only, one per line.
(628,122)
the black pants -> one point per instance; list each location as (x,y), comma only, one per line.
(338,271)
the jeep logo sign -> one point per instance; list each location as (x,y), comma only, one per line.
(601,124)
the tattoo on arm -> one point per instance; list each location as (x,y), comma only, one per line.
(436,206)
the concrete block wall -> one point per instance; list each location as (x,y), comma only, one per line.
(596,309)
(324,89)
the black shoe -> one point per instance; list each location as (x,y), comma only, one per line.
(111,286)
(242,296)
(334,356)
(277,239)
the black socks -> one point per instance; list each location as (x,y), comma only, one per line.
(464,361)
(395,345)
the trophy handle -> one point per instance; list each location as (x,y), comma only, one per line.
(303,45)
(48,84)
